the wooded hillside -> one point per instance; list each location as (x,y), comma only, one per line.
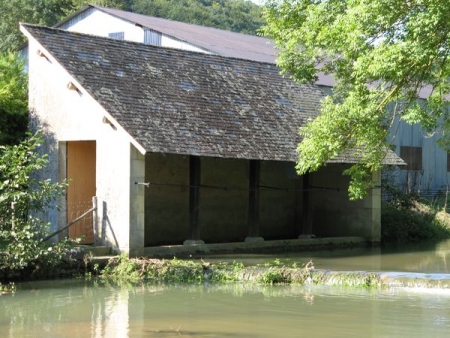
(235,15)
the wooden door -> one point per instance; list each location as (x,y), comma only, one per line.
(81,157)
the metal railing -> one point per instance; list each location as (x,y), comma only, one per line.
(78,219)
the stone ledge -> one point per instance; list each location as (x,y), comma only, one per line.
(289,245)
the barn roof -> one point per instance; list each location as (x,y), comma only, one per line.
(180,102)
(213,40)
(217,41)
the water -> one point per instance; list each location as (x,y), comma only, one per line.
(421,257)
(75,308)
(80,309)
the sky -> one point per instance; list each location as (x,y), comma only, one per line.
(258,2)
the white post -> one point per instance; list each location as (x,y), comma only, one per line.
(95,221)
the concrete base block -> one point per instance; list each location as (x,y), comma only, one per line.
(306,236)
(136,252)
(193,242)
(254,239)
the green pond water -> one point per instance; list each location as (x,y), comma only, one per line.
(77,308)
(421,258)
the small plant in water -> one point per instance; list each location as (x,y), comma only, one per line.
(274,276)
(7,289)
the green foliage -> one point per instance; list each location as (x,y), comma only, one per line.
(7,288)
(132,270)
(381,54)
(42,12)
(274,275)
(347,279)
(21,198)
(13,99)
(235,15)
(119,4)
(177,271)
(405,218)
(124,269)
(226,272)
(277,272)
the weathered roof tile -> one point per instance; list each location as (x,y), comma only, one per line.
(179,102)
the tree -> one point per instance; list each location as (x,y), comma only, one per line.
(13,99)
(235,15)
(119,4)
(382,54)
(41,12)
(21,198)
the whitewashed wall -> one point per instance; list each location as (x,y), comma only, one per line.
(167,41)
(101,24)
(68,115)
(96,22)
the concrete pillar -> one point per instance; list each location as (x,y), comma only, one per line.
(137,205)
(375,204)
(306,229)
(253,201)
(194,201)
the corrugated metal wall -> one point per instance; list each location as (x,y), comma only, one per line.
(434,176)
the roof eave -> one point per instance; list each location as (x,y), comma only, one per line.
(71,16)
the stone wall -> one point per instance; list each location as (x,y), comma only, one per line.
(333,214)
(223,200)
(166,199)
(280,201)
(223,206)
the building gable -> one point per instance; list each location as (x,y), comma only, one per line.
(177,34)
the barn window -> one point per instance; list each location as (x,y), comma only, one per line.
(413,157)
(117,35)
(152,37)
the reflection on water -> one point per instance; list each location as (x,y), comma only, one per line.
(64,308)
(84,309)
(80,309)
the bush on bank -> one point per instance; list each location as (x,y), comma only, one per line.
(22,198)
(409,218)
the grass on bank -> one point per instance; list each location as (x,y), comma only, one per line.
(405,219)
(138,270)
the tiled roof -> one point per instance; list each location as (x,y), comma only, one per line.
(179,102)
(217,41)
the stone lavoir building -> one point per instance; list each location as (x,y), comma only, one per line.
(182,147)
